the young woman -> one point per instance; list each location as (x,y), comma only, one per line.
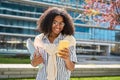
(54,25)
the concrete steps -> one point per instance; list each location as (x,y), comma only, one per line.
(98,59)
(96,70)
(17,71)
(27,71)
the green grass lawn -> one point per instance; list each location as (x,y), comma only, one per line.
(20,59)
(14,59)
(83,78)
(97,78)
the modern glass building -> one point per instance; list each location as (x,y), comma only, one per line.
(18,23)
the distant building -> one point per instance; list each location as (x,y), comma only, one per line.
(18,22)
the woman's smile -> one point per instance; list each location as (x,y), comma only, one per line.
(57,25)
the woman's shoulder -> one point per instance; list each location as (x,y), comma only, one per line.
(40,36)
(70,37)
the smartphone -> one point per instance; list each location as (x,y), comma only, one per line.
(30,47)
(63,44)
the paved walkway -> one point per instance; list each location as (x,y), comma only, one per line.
(76,66)
(99,62)
(81,64)
(16,66)
(81,70)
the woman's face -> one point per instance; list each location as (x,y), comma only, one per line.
(57,25)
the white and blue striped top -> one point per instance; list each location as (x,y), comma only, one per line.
(62,72)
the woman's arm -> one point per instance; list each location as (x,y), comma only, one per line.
(37,59)
(70,65)
(65,55)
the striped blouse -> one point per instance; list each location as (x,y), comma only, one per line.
(62,72)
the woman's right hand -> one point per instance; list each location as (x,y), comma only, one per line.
(37,59)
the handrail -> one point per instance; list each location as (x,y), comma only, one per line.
(46,4)
(12,26)
(28,12)
(16,34)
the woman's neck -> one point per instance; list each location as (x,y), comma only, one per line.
(52,37)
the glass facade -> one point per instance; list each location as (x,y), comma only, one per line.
(18,23)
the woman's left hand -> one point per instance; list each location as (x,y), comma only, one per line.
(64,54)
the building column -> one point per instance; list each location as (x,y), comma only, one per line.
(108,50)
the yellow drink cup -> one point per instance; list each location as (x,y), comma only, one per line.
(63,44)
